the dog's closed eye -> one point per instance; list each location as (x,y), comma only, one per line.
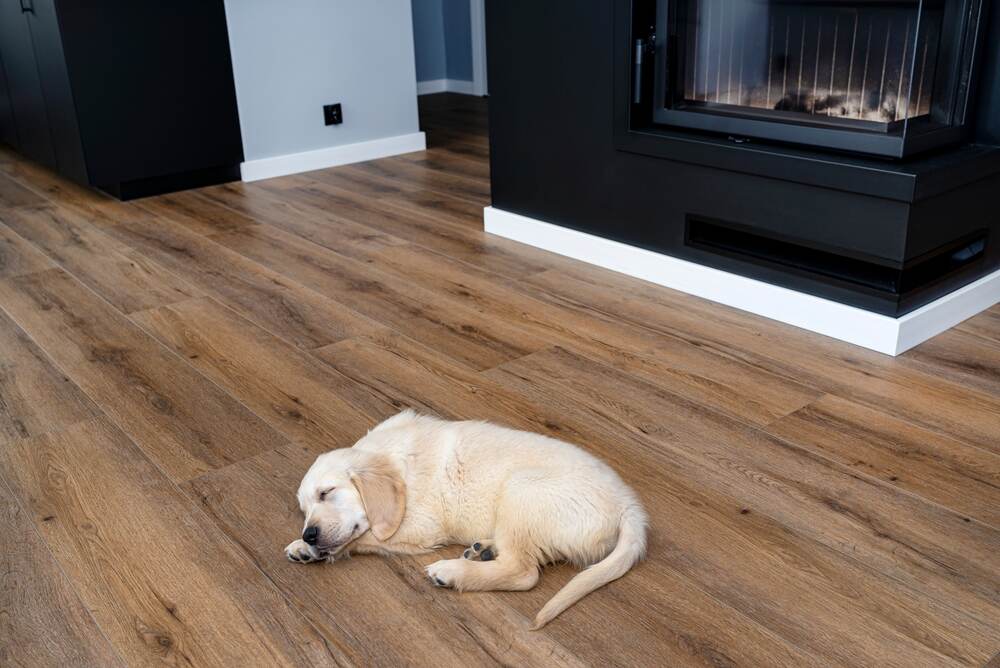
(322,495)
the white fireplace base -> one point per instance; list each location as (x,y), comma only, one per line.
(885,334)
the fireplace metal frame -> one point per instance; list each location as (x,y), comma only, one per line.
(964,52)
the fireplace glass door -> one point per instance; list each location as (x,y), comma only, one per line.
(871,76)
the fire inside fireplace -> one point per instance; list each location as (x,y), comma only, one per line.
(888,77)
(823,60)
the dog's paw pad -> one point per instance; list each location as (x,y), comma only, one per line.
(481,550)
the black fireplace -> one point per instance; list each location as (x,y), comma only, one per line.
(845,148)
(882,77)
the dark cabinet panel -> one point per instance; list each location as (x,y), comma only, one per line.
(61,111)
(24,84)
(8,133)
(168,105)
(988,119)
(135,97)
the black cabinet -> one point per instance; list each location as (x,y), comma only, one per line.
(134,97)
(8,135)
(24,82)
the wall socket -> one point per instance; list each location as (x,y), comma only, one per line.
(332,115)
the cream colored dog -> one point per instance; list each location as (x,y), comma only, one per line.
(519,500)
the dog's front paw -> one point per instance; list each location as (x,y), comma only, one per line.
(301,552)
(446,573)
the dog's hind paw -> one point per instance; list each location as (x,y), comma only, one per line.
(481,550)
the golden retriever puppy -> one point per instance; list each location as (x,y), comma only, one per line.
(518,500)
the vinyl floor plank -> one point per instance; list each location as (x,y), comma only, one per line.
(304,401)
(154,571)
(43,622)
(186,424)
(35,396)
(127,279)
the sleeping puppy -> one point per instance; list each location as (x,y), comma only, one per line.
(518,500)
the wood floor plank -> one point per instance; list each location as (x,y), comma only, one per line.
(158,577)
(279,305)
(961,357)
(832,366)
(475,338)
(306,402)
(447,224)
(985,325)
(127,279)
(187,425)
(365,600)
(198,214)
(17,255)
(930,548)
(464,187)
(421,217)
(324,223)
(446,162)
(811,578)
(42,620)
(726,384)
(13,194)
(940,469)
(459,142)
(35,397)
(60,191)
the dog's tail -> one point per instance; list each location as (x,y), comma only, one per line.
(630,549)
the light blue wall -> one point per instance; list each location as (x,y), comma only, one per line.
(458,39)
(428,39)
(289,59)
(442,39)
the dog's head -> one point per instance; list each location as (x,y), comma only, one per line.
(347,492)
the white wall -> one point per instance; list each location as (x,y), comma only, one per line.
(291,58)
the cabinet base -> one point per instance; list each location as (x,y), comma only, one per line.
(169,183)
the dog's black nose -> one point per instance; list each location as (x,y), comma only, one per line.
(311,535)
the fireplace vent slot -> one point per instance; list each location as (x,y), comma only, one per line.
(733,242)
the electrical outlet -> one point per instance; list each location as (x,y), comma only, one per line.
(332,115)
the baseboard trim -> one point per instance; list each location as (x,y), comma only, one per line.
(307,161)
(446,86)
(884,334)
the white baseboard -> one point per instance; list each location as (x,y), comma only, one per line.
(307,161)
(884,334)
(446,86)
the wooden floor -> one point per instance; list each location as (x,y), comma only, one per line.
(170,367)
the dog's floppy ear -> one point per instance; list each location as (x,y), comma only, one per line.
(383,494)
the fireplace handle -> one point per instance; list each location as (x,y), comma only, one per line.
(640,52)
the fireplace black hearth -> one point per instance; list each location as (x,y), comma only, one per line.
(849,149)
